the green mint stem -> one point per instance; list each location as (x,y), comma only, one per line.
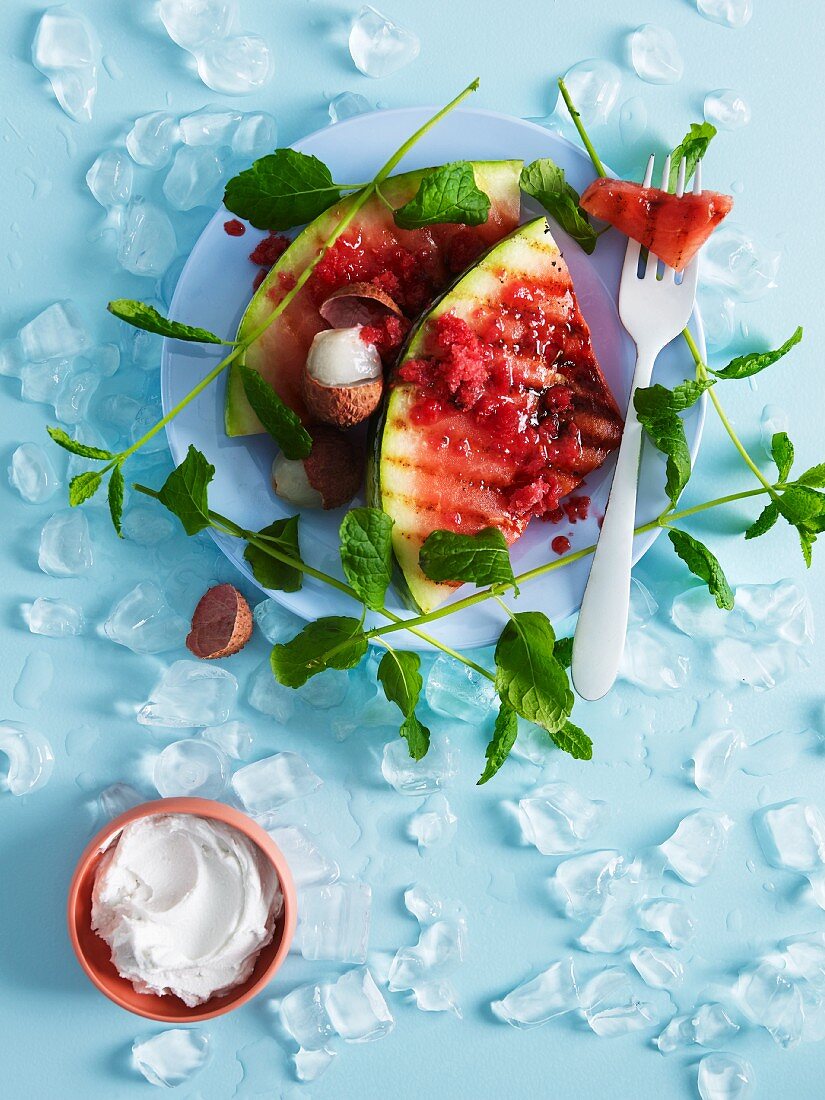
(399,155)
(577,122)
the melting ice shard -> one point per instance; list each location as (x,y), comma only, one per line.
(30,757)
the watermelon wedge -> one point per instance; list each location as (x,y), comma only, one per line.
(674,229)
(412,266)
(497,408)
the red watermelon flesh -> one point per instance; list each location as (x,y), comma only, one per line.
(674,229)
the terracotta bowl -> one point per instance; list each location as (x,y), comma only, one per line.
(93,953)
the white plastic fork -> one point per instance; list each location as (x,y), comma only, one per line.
(654,311)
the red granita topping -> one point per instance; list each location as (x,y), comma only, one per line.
(234,228)
(408,277)
(267,251)
(576,508)
(535,498)
(556,515)
(259,278)
(560,544)
(387,336)
(463,250)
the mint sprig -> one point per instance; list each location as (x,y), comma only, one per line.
(366,553)
(745,366)
(483,558)
(146,317)
(270,571)
(281,190)
(399,675)
(504,737)
(658,411)
(703,564)
(336,641)
(545,182)
(279,421)
(185,491)
(692,147)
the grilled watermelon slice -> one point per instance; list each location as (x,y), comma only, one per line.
(497,409)
(413,266)
(674,229)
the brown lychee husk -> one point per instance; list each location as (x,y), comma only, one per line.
(341,406)
(221,624)
(357,304)
(335,466)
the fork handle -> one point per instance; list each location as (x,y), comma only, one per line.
(602,626)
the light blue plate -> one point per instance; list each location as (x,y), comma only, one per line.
(215,287)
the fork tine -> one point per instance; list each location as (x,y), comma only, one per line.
(652,259)
(649,172)
(666,174)
(630,267)
(697,178)
(680,181)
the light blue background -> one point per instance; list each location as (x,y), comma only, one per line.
(58,1037)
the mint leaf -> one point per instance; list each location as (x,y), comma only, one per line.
(446,194)
(116,493)
(184,492)
(269,571)
(800,503)
(366,553)
(400,678)
(814,477)
(336,641)
(545,182)
(570,738)
(703,564)
(563,651)
(147,317)
(806,542)
(743,366)
(764,521)
(692,148)
(529,679)
(481,559)
(783,455)
(64,440)
(278,419)
(282,190)
(664,428)
(504,737)
(84,486)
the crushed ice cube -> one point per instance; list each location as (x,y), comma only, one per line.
(72,400)
(436,996)
(116,800)
(769,998)
(669,919)
(594,87)
(434,824)
(773,419)
(151,139)
(610,931)
(65,544)
(12,360)
(792,835)
(311,1064)
(678,1033)
(233,738)
(649,662)
(557,819)
(111,177)
(580,883)
(643,604)
(712,1026)
(424,905)
(378,46)
(55,618)
(42,382)
(146,525)
(146,240)
(725,1077)
(348,105)
(419,777)
(549,994)
(235,66)
(695,846)
(30,758)
(143,621)
(458,691)
(726,109)
(269,783)
(256,134)
(335,921)
(194,179)
(611,1007)
(31,473)
(190,23)
(304,1016)
(719,318)
(655,55)
(171,1057)
(268,696)
(730,13)
(658,967)
(327,689)
(357,1009)
(746,267)
(66,49)
(211,125)
(190,694)
(714,760)
(275,622)
(191,768)
(57,332)
(440,949)
(308,864)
